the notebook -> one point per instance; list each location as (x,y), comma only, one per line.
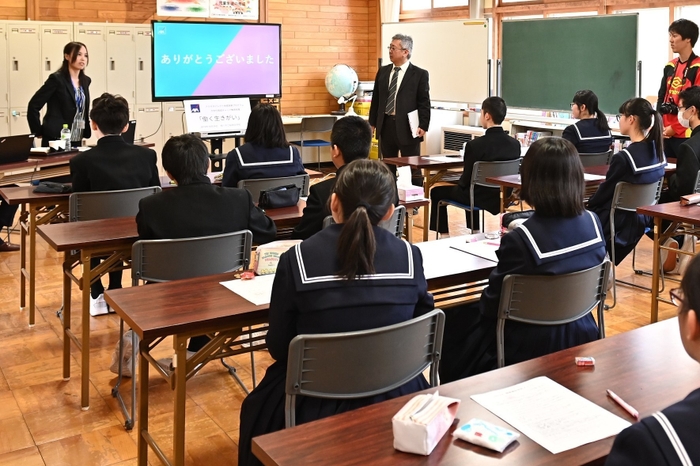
(15,148)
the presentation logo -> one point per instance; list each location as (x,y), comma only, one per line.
(194,108)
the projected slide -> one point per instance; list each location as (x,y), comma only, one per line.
(215,60)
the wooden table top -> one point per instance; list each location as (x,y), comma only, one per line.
(425,161)
(646,367)
(39,160)
(672,211)
(89,233)
(444,266)
(18,195)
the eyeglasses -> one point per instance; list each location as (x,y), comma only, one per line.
(619,117)
(572,105)
(394,48)
(677,296)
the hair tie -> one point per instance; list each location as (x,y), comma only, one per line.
(363,204)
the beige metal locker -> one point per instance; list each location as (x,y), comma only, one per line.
(94,38)
(4,122)
(143,64)
(24,50)
(149,128)
(173,119)
(18,121)
(54,37)
(4,71)
(121,65)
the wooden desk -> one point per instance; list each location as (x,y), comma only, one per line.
(410,206)
(433,171)
(36,168)
(684,220)
(638,365)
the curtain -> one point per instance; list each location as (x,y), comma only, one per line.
(389,10)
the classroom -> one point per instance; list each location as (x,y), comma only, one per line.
(219,377)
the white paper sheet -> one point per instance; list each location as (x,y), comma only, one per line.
(591,177)
(413,122)
(257,290)
(551,415)
(670,166)
(446,158)
(485,249)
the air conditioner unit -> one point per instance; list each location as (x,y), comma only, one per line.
(454,137)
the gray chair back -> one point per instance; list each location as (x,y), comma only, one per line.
(551,300)
(255,186)
(97,205)
(697,183)
(365,363)
(394,224)
(483,170)
(162,260)
(322,124)
(595,159)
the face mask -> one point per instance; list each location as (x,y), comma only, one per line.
(683,121)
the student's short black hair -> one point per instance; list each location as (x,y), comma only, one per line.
(686,29)
(552,178)
(265,127)
(186,158)
(110,113)
(496,107)
(691,98)
(689,286)
(353,136)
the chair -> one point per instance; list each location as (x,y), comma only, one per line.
(480,172)
(595,159)
(164,260)
(256,185)
(627,197)
(95,205)
(361,364)
(551,300)
(394,224)
(697,183)
(322,124)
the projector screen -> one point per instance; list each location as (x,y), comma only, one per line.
(213,60)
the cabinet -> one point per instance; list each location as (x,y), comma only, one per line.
(53,38)
(23,50)
(4,71)
(121,50)
(4,122)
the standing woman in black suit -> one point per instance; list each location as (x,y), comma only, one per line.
(67,97)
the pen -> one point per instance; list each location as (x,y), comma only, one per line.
(633,412)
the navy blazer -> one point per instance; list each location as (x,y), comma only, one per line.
(251,161)
(637,164)
(58,95)
(657,439)
(316,209)
(588,139)
(682,182)
(413,94)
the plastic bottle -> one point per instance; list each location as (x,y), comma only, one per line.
(65,137)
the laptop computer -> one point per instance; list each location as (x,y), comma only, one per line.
(130,132)
(15,148)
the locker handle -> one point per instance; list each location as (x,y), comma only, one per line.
(15,65)
(48,65)
(111,65)
(140,65)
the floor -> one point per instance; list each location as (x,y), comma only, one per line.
(41,422)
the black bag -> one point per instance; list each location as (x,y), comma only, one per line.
(52,187)
(512,220)
(282,196)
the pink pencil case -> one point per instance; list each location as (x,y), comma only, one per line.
(422,422)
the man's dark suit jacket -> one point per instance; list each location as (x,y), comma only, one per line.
(202,209)
(113,164)
(414,93)
(687,166)
(495,145)
(58,95)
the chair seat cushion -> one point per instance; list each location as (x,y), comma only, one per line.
(311,143)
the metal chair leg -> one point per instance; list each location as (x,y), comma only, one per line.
(129,417)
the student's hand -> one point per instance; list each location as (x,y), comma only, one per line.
(420,132)
(669,131)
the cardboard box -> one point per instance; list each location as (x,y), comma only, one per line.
(410,193)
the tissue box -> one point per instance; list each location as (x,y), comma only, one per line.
(410,193)
(422,422)
(267,256)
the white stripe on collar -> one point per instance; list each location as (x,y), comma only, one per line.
(673,438)
(257,164)
(590,138)
(306,280)
(648,167)
(558,252)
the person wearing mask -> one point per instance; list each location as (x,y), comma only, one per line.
(682,182)
(591,133)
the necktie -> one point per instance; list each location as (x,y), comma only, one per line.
(391,101)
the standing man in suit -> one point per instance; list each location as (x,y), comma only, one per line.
(494,145)
(400,88)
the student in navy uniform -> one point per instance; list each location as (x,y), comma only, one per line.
(266,152)
(351,139)
(560,237)
(682,182)
(111,165)
(669,437)
(642,162)
(591,134)
(350,276)
(494,145)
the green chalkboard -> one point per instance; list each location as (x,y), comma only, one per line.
(545,61)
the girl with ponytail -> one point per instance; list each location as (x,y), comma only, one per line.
(642,162)
(591,134)
(353,275)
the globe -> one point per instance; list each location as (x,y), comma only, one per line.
(341,81)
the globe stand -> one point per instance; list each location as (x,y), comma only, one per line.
(340,111)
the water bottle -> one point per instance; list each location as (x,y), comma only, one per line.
(65,137)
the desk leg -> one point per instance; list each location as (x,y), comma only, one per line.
(503,199)
(23,229)
(85,281)
(409,226)
(33,212)
(656,266)
(426,194)
(180,346)
(66,315)
(143,403)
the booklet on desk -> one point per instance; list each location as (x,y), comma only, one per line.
(258,290)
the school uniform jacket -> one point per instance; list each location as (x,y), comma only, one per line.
(251,161)
(113,164)
(682,182)
(637,164)
(588,139)
(58,94)
(495,145)
(413,94)
(666,438)
(308,298)
(316,208)
(202,209)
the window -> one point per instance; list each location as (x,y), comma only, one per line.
(412,5)
(449,3)
(572,14)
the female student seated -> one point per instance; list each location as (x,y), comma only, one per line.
(266,152)
(642,162)
(591,134)
(350,276)
(669,437)
(560,237)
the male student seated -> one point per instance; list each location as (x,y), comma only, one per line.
(688,155)
(494,145)
(111,165)
(351,139)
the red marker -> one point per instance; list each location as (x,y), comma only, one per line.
(633,412)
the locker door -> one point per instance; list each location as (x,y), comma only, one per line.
(18,121)
(93,36)
(121,50)
(53,37)
(4,122)
(4,90)
(24,50)
(173,119)
(149,128)
(143,64)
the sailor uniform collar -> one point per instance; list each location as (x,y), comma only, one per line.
(643,168)
(590,138)
(266,162)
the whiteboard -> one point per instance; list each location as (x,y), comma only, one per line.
(455,53)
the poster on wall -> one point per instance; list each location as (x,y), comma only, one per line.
(190,8)
(233,9)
